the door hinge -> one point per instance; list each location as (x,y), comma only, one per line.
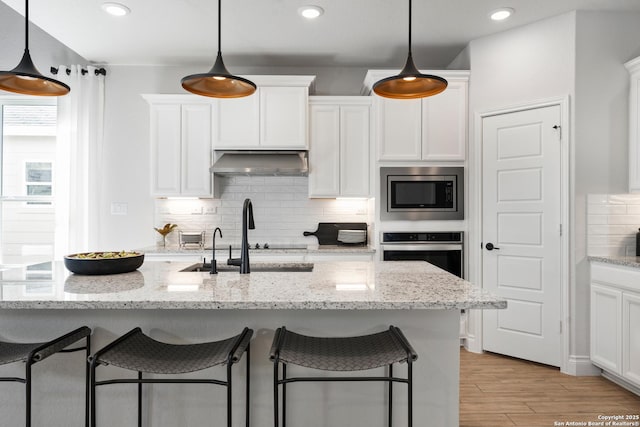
(561,229)
(561,326)
(559,129)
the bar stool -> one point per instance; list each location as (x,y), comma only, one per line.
(341,354)
(32,353)
(136,351)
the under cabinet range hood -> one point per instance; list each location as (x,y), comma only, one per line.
(277,163)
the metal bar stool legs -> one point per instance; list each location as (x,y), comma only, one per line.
(32,353)
(138,352)
(341,354)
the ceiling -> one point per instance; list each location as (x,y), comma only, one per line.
(351,33)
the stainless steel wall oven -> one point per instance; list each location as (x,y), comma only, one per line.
(442,249)
(422,193)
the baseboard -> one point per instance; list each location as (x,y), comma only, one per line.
(621,382)
(581,366)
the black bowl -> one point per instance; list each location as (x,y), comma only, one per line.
(94,266)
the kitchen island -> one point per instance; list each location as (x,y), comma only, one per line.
(335,299)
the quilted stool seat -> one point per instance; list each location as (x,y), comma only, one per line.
(136,351)
(32,353)
(341,354)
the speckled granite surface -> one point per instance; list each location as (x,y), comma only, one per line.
(626,261)
(331,285)
(328,249)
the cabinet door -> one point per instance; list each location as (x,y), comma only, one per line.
(324,151)
(236,122)
(631,337)
(634,132)
(283,117)
(196,150)
(444,124)
(165,149)
(399,129)
(354,151)
(606,328)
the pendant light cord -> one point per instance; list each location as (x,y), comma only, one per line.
(409,27)
(26,25)
(219,29)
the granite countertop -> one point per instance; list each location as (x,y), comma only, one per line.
(294,249)
(372,285)
(626,261)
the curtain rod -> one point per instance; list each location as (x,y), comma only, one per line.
(97,71)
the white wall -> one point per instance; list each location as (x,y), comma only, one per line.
(604,42)
(579,54)
(508,69)
(45,50)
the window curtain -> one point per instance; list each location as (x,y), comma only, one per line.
(79,163)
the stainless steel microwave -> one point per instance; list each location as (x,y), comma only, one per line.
(422,193)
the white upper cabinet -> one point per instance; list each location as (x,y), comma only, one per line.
(274,117)
(339,157)
(634,125)
(180,133)
(399,129)
(444,124)
(427,129)
(237,122)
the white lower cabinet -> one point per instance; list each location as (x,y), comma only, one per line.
(615,316)
(631,337)
(339,146)
(606,328)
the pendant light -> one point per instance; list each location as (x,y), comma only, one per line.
(410,83)
(26,78)
(218,82)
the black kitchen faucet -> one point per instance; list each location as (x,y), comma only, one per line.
(247,224)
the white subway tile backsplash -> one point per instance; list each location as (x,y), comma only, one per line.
(612,223)
(608,209)
(281,205)
(597,219)
(600,199)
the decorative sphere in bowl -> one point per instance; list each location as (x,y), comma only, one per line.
(94,263)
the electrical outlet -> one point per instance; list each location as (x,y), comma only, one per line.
(119,208)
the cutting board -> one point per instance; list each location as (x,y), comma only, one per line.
(327,232)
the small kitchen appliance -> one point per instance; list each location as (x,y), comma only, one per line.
(191,238)
(422,193)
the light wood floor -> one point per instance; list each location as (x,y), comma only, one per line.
(502,391)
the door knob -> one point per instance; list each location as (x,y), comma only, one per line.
(490,247)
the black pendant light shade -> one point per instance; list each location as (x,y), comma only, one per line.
(25,77)
(218,82)
(410,83)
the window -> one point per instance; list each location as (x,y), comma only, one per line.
(38,180)
(28,151)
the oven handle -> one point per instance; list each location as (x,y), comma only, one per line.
(421,247)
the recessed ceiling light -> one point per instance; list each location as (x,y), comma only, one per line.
(501,14)
(115,9)
(311,11)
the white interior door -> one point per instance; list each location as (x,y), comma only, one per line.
(521,212)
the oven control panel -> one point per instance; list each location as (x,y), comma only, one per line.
(403,237)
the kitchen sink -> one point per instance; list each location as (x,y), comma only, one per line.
(278,267)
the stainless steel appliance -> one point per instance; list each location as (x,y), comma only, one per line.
(442,249)
(422,193)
